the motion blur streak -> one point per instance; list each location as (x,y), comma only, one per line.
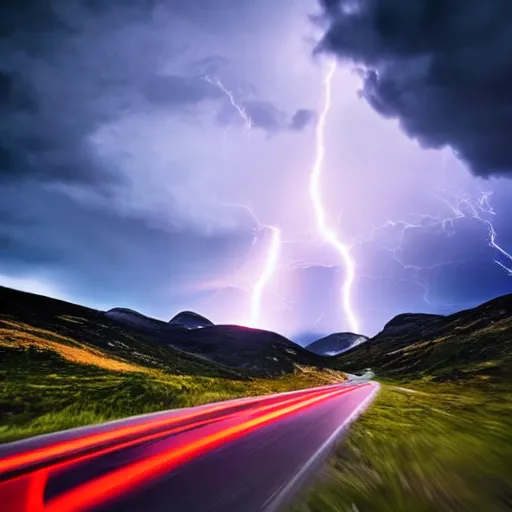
(70,447)
(275,504)
(114,484)
(182,428)
(67,447)
(269,269)
(35,495)
(314,190)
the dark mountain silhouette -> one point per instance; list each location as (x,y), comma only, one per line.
(190,320)
(257,351)
(336,343)
(242,347)
(406,321)
(135,319)
(474,343)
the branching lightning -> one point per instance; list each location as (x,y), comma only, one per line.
(243,114)
(272,256)
(327,233)
(461,208)
(477,209)
(324,230)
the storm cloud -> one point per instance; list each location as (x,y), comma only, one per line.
(68,68)
(302,118)
(129,176)
(442,67)
(79,82)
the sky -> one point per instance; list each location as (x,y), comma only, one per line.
(150,148)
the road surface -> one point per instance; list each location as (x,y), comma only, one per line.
(243,455)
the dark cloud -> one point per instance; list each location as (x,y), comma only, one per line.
(94,251)
(179,91)
(41,135)
(71,71)
(301,119)
(28,16)
(69,68)
(442,67)
(266,116)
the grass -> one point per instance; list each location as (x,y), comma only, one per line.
(21,336)
(428,447)
(438,437)
(50,382)
(474,344)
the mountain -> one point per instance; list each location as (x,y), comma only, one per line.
(241,347)
(336,344)
(254,350)
(404,322)
(190,320)
(69,365)
(475,343)
(131,336)
(119,337)
(135,319)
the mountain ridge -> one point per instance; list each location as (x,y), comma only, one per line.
(190,320)
(336,343)
(253,350)
(67,366)
(472,343)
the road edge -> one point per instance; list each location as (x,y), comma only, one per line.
(282,498)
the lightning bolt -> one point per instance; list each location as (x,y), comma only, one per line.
(324,230)
(269,267)
(477,209)
(243,114)
(268,270)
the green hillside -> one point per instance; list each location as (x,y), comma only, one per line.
(63,365)
(439,435)
(475,344)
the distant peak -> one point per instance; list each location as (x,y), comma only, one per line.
(125,311)
(336,343)
(190,320)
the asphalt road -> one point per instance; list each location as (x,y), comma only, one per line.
(243,455)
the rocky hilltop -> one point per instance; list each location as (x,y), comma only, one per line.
(336,344)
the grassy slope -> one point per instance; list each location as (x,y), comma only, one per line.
(63,366)
(474,344)
(439,435)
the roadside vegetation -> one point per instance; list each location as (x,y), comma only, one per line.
(64,366)
(426,448)
(438,437)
